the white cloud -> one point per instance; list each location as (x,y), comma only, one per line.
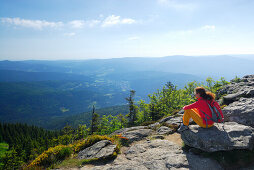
(114,20)
(77,23)
(208,28)
(92,23)
(128,21)
(83,23)
(70,34)
(134,38)
(111,20)
(36,24)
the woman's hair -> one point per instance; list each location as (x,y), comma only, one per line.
(205,94)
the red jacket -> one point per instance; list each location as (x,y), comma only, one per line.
(202,105)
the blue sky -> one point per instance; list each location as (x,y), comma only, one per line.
(86,29)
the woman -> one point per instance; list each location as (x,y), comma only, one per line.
(195,110)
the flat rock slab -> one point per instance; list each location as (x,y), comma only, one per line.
(120,131)
(158,154)
(101,149)
(241,111)
(136,135)
(233,136)
(163,130)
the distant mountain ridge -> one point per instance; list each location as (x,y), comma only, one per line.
(219,66)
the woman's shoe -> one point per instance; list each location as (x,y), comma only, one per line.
(182,128)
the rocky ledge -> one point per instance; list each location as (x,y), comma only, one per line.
(157,154)
(239,98)
(219,138)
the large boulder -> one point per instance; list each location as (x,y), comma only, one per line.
(101,149)
(217,138)
(241,111)
(158,154)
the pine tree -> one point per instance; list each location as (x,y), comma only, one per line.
(132,116)
(122,120)
(95,121)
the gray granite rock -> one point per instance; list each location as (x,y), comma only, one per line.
(163,130)
(233,91)
(217,138)
(158,154)
(175,121)
(128,129)
(154,125)
(136,135)
(101,149)
(241,111)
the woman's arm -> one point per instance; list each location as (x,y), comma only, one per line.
(191,106)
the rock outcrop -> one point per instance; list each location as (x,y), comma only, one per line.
(158,154)
(101,149)
(240,100)
(151,147)
(241,111)
(217,138)
(164,130)
(235,90)
(123,130)
(136,135)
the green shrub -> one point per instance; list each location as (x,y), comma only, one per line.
(64,153)
(51,156)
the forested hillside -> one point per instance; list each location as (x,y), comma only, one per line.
(36,97)
(24,101)
(28,142)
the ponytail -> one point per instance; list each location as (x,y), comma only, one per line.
(205,94)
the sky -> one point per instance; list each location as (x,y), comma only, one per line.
(89,29)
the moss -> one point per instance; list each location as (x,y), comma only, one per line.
(69,163)
(118,149)
(103,159)
(89,161)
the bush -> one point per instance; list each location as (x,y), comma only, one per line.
(51,156)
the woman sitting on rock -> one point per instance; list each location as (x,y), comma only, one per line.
(198,110)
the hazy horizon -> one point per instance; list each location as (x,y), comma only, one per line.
(243,56)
